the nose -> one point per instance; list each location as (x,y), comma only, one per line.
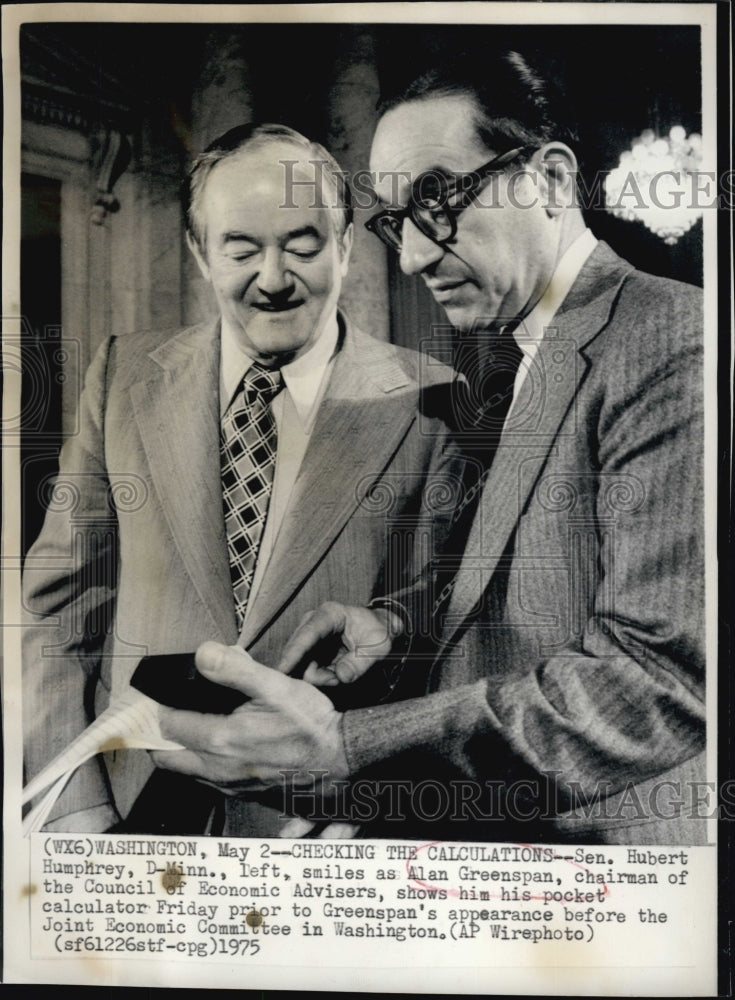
(418,252)
(273,277)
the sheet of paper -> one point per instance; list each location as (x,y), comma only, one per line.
(131,722)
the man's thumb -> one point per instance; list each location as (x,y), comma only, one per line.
(233,667)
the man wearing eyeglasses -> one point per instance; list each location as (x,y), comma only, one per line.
(553,686)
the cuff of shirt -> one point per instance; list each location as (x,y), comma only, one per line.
(396,608)
(393,665)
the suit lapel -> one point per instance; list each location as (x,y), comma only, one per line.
(368,407)
(546,396)
(177,412)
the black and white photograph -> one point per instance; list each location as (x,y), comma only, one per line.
(361,493)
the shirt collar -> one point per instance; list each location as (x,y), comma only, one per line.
(303,377)
(532,327)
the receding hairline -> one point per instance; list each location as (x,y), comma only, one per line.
(306,152)
(516,103)
(475,117)
(306,156)
(305,170)
(438,97)
(479,117)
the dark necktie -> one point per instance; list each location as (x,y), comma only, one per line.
(480,424)
(478,414)
(248,458)
(489,392)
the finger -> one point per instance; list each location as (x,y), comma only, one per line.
(208,770)
(232,667)
(348,668)
(296,828)
(183,761)
(236,788)
(328,620)
(339,831)
(195,730)
(320,676)
(351,666)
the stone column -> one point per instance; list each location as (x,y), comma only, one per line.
(351,123)
(223,95)
(146,245)
(222,98)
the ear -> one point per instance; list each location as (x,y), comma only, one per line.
(557,166)
(198,256)
(345,248)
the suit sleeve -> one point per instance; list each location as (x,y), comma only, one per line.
(69,583)
(627,702)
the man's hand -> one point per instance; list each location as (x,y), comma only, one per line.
(340,643)
(287,726)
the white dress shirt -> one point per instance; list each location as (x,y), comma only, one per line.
(530,332)
(294,411)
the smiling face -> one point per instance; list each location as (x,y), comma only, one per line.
(276,271)
(507,244)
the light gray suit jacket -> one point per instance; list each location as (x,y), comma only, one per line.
(132,558)
(571,656)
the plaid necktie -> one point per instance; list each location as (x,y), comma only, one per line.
(248,459)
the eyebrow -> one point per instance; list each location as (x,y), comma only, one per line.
(390,203)
(237,236)
(293,234)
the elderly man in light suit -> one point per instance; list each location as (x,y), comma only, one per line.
(350,438)
(564,669)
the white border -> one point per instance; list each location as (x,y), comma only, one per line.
(617,980)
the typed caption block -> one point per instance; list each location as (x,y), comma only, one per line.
(194,899)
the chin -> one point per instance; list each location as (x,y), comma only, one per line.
(276,335)
(284,347)
(474,318)
(463,319)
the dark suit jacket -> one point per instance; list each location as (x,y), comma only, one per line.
(570,662)
(134,546)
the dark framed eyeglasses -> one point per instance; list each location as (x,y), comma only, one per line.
(436,202)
